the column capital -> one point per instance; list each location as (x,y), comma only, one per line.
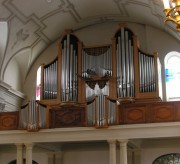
(50,154)
(19,144)
(29,144)
(111,141)
(123,141)
(58,153)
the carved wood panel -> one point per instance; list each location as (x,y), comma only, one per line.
(163,112)
(152,112)
(68,116)
(9,120)
(135,115)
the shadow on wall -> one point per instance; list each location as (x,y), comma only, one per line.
(24,161)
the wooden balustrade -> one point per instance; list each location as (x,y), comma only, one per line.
(151,112)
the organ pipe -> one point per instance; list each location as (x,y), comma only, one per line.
(69,68)
(50,80)
(124,63)
(29,116)
(146,73)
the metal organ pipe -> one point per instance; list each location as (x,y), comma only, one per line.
(125,63)
(56,72)
(91,60)
(111,112)
(24,117)
(119,68)
(131,68)
(98,60)
(45,83)
(42,116)
(153,75)
(140,72)
(32,115)
(146,72)
(69,68)
(50,81)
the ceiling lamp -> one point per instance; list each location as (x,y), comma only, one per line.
(172,11)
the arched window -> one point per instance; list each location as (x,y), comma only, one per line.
(172,73)
(173,158)
(38,84)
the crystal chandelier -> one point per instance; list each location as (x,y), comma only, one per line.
(172,11)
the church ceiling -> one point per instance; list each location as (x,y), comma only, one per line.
(34,25)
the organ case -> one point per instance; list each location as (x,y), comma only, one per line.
(97,76)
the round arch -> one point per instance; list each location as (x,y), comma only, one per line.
(168,158)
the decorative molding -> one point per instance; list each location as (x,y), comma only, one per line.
(21,36)
(120,132)
(10,99)
(8,88)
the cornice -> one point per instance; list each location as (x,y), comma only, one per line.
(120,133)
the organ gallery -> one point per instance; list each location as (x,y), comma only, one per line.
(96,86)
(92,80)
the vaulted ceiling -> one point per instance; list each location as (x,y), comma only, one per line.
(32,25)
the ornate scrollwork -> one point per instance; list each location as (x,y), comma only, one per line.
(97,75)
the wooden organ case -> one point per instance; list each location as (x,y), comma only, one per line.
(85,86)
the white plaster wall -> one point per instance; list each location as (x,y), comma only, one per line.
(144,156)
(3,40)
(12,75)
(41,158)
(103,33)
(86,157)
(5,158)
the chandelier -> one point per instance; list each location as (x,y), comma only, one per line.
(172,11)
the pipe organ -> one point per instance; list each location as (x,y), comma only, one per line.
(96,77)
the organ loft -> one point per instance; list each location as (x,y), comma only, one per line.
(97,86)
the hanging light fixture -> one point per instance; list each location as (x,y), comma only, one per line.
(172,11)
